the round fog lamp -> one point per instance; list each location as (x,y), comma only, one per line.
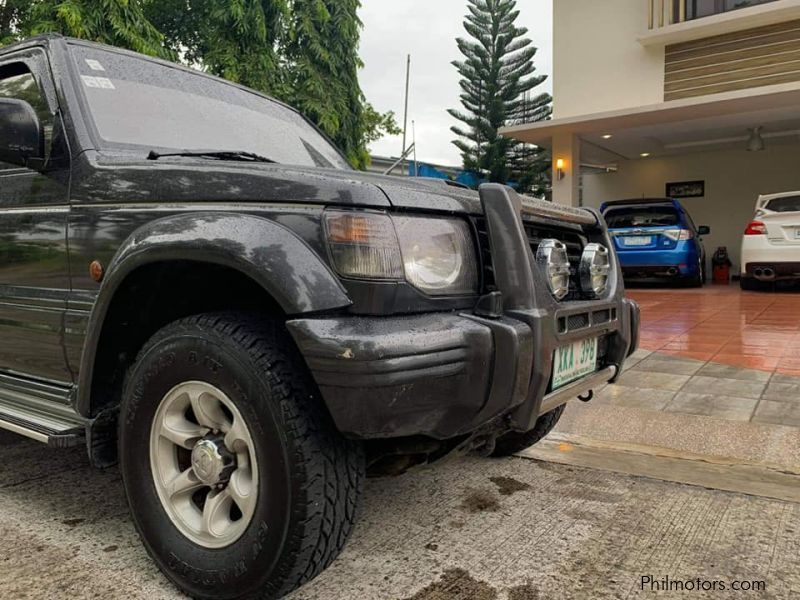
(594,269)
(552,257)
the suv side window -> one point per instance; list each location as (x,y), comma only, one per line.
(17,82)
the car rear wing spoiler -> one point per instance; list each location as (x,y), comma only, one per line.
(636,202)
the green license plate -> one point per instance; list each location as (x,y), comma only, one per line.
(574,361)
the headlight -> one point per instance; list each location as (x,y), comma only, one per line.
(438,255)
(552,257)
(594,269)
(435,255)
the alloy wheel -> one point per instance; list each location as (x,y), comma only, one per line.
(204,465)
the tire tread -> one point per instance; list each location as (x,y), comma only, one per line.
(511,443)
(327,470)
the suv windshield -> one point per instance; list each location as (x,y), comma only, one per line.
(146,105)
(785,204)
(642,216)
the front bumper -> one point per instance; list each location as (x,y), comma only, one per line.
(444,375)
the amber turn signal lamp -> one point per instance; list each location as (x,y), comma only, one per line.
(352,229)
(96,271)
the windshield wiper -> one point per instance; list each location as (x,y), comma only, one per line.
(216,154)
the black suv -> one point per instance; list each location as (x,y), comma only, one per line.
(193,283)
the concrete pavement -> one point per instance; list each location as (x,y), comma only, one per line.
(474,528)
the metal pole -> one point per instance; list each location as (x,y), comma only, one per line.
(414,145)
(650,20)
(478,126)
(682,10)
(405,112)
(661,13)
(399,160)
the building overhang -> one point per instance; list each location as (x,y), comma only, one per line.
(741,19)
(676,126)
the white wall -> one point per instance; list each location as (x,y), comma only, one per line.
(734,179)
(598,64)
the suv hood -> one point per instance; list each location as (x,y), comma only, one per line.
(413,193)
(197,179)
(416,193)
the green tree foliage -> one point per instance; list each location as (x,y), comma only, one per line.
(12,12)
(322,75)
(304,52)
(236,39)
(497,80)
(116,22)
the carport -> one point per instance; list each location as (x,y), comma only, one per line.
(738,144)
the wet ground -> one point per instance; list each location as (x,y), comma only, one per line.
(600,510)
(469,529)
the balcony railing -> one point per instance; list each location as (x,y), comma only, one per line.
(669,12)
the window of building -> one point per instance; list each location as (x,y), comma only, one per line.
(697,9)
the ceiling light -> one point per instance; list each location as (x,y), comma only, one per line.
(607,136)
(756,142)
(644,154)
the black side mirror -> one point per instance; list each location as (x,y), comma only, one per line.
(703,230)
(20,132)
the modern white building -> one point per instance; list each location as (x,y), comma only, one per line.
(658,92)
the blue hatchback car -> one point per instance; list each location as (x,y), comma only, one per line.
(656,239)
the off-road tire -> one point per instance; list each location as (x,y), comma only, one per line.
(310,477)
(514,442)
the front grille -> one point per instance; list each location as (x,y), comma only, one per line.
(578,321)
(572,239)
(487,268)
(601,316)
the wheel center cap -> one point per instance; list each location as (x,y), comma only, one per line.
(211,462)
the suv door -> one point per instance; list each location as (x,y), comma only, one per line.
(34,271)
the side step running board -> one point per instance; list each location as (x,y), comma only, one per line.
(61,434)
(55,431)
(40,412)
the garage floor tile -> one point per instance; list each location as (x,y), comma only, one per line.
(783,391)
(646,399)
(713,405)
(778,413)
(713,369)
(726,387)
(657,381)
(716,352)
(670,364)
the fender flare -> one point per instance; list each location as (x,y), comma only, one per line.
(265,251)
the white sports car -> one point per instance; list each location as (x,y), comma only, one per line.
(771,242)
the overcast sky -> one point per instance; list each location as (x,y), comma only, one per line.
(427,30)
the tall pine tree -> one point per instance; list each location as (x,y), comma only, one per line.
(498,77)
